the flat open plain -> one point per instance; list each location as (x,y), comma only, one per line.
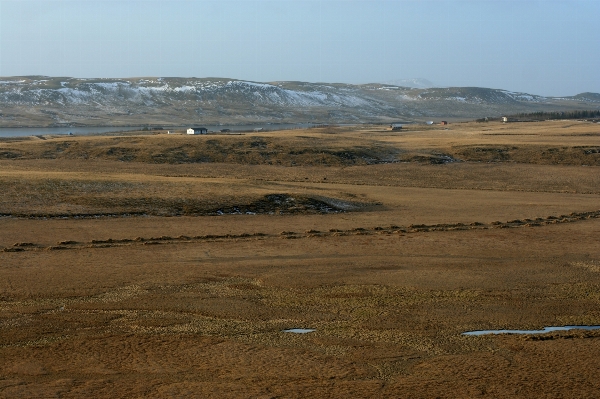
(168,265)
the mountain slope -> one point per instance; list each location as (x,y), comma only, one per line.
(57,101)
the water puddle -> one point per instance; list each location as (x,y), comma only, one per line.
(543,331)
(299,330)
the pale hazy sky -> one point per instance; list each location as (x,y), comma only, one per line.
(541,47)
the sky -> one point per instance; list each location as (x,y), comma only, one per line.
(544,47)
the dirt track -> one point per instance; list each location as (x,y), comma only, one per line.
(412,255)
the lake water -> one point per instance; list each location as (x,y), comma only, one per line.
(299,330)
(543,331)
(34,131)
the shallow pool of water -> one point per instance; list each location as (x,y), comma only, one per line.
(545,330)
(299,330)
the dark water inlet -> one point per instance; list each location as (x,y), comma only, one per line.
(84,130)
(543,331)
(90,130)
(299,330)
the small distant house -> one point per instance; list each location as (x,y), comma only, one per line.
(396,126)
(504,119)
(429,122)
(443,122)
(197,130)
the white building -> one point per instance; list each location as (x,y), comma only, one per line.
(197,130)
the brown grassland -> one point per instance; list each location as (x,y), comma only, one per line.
(169,265)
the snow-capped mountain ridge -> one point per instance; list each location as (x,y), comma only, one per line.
(45,100)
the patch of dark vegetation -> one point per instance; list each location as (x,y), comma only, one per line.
(100,246)
(289,237)
(345,156)
(17,249)
(10,154)
(185,207)
(121,154)
(95,215)
(54,190)
(113,241)
(577,155)
(273,204)
(239,150)
(258,143)
(14,139)
(433,159)
(56,247)
(485,154)
(161,238)
(281,204)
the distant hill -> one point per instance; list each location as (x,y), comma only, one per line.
(588,97)
(415,83)
(62,101)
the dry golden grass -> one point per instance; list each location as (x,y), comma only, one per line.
(117,282)
(546,143)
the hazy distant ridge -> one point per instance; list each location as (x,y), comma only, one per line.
(43,101)
(415,83)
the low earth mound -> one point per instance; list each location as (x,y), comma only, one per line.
(534,154)
(180,150)
(274,204)
(542,144)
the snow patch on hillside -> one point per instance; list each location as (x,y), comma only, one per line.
(80,91)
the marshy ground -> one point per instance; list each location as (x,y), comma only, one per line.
(170,266)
